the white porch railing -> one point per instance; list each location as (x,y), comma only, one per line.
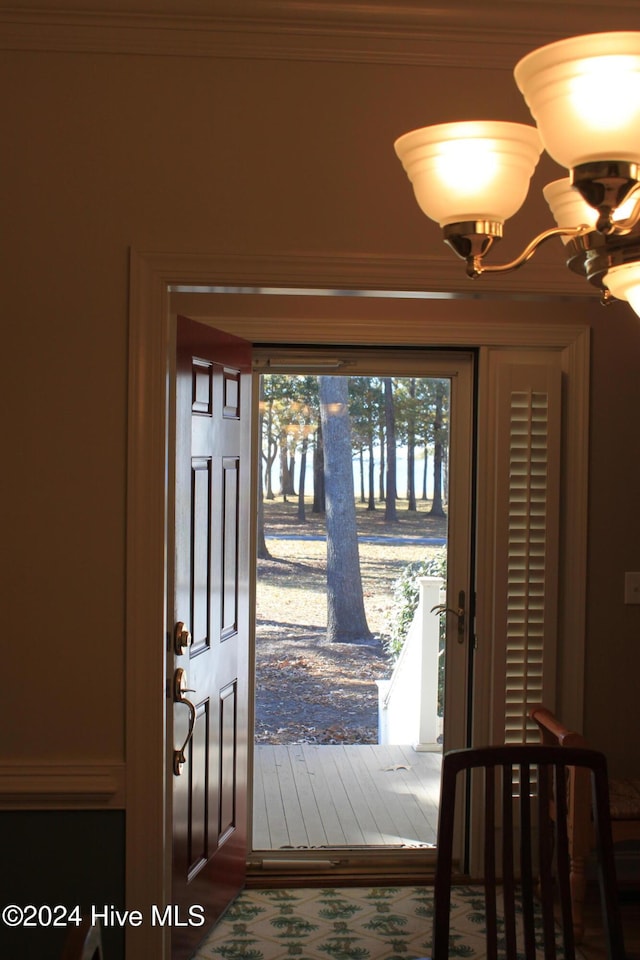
(408,700)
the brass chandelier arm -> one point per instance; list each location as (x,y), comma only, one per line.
(476,267)
(621,228)
(472,176)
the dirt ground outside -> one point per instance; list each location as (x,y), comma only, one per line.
(307,689)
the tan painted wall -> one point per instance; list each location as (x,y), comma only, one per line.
(195,154)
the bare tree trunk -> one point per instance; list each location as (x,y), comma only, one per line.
(346,618)
(272,447)
(411,479)
(411,449)
(318,473)
(382,496)
(286,468)
(390,510)
(303,473)
(284,463)
(371,504)
(261,545)
(424,473)
(437,509)
(291,472)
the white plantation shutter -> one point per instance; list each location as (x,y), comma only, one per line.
(528,435)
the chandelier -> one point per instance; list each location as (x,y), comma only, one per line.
(584,95)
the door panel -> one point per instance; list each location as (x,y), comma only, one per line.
(229,586)
(211,574)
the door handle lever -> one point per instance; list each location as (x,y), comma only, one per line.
(460,613)
(179,689)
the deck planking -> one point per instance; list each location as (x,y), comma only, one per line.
(324,795)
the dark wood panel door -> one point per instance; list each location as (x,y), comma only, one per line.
(208,683)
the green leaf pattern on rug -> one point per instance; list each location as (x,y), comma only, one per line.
(344,950)
(389,925)
(380,923)
(239,950)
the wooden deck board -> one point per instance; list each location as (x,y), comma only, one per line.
(387,810)
(324,805)
(293,808)
(339,808)
(276,834)
(428,773)
(309,806)
(260,818)
(417,787)
(397,785)
(360,797)
(317,795)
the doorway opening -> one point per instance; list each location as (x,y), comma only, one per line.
(162,286)
(351,639)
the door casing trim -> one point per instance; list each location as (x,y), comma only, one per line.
(486,324)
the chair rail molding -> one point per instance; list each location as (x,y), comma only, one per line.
(61,786)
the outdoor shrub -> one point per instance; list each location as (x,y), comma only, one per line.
(406,593)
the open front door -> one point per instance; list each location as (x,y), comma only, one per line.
(208,660)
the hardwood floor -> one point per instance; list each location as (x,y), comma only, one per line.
(310,795)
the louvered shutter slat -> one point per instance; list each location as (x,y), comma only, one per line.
(527,452)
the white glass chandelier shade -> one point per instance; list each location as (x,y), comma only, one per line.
(624,283)
(584,94)
(568,207)
(475,170)
(570,210)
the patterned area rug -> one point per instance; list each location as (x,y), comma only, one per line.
(379,923)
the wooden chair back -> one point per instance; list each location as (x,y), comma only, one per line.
(526,874)
(84,942)
(624,808)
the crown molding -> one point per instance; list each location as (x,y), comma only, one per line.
(459,33)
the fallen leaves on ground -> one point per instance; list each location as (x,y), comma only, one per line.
(307,689)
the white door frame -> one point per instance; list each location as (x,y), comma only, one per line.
(485,323)
(458,367)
